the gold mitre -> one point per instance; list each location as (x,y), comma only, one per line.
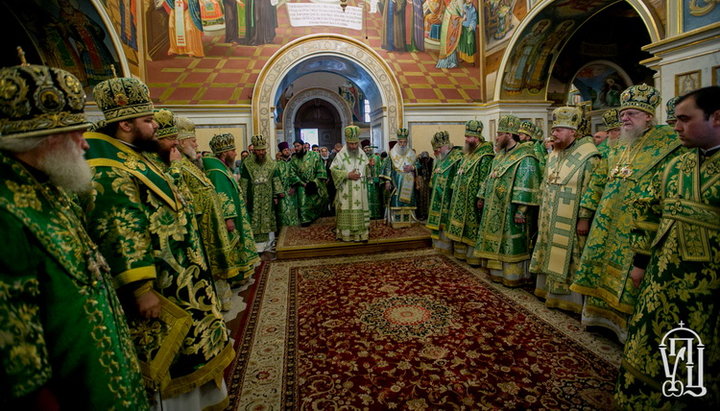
(39,100)
(167,127)
(642,97)
(440,139)
(567,117)
(259,142)
(221,143)
(402,134)
(186,128)
(352,134)
(508,124)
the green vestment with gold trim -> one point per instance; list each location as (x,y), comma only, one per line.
(288,212)
(374,189)
(512,187)
(63,327)
(464,214)
(150,237)
(557,251)
(441,192)
(351,199)
(261,184)
(311,169)
(603,273)
(228,254)
(233,206)
(681,287)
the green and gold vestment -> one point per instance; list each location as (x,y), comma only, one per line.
(374,189)
(557,251)
(681,285)
(603,273)
(464,215)
(288,212)
(441,192)
(512,187)
(261,184)
(150,239)
(229,254)
(63,327)
(233,206)
(311,169)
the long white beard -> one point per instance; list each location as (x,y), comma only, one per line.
(67,168)
(441,155)
(402,150)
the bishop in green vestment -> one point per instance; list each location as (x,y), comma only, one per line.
(531,135)
(150,238)
(399,176)
(509,198)
(349,172)
(447,161)
(312,192)
(288,212)
(262,188)
(603,273)
(473,171)
(217,168)
(373,181)
(64,337)
(678,273)
(562,224)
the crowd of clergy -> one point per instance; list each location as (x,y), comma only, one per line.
(123,244)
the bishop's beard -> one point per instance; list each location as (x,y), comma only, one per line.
(66,167)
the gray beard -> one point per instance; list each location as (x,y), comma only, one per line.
(441,155)
(402,150)
(67,168)
(630,135)
(353,153)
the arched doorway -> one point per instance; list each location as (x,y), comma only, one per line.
(534,68)
(316,108)
(333,54)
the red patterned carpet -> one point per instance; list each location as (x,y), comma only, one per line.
(411,331)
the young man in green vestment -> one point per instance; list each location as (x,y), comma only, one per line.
(150,238)
(262,188)
(678,273)
(312,191)
(509,199)
(288,212)
(399,176)
(472,173)
(349,172)
(603,273)
(567,176)
(447,161)
(65,343)
(373,181)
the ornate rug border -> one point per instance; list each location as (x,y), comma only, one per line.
(263,345)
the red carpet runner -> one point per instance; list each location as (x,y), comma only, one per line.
(408,331)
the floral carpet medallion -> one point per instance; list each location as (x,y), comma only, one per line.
(412,331)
